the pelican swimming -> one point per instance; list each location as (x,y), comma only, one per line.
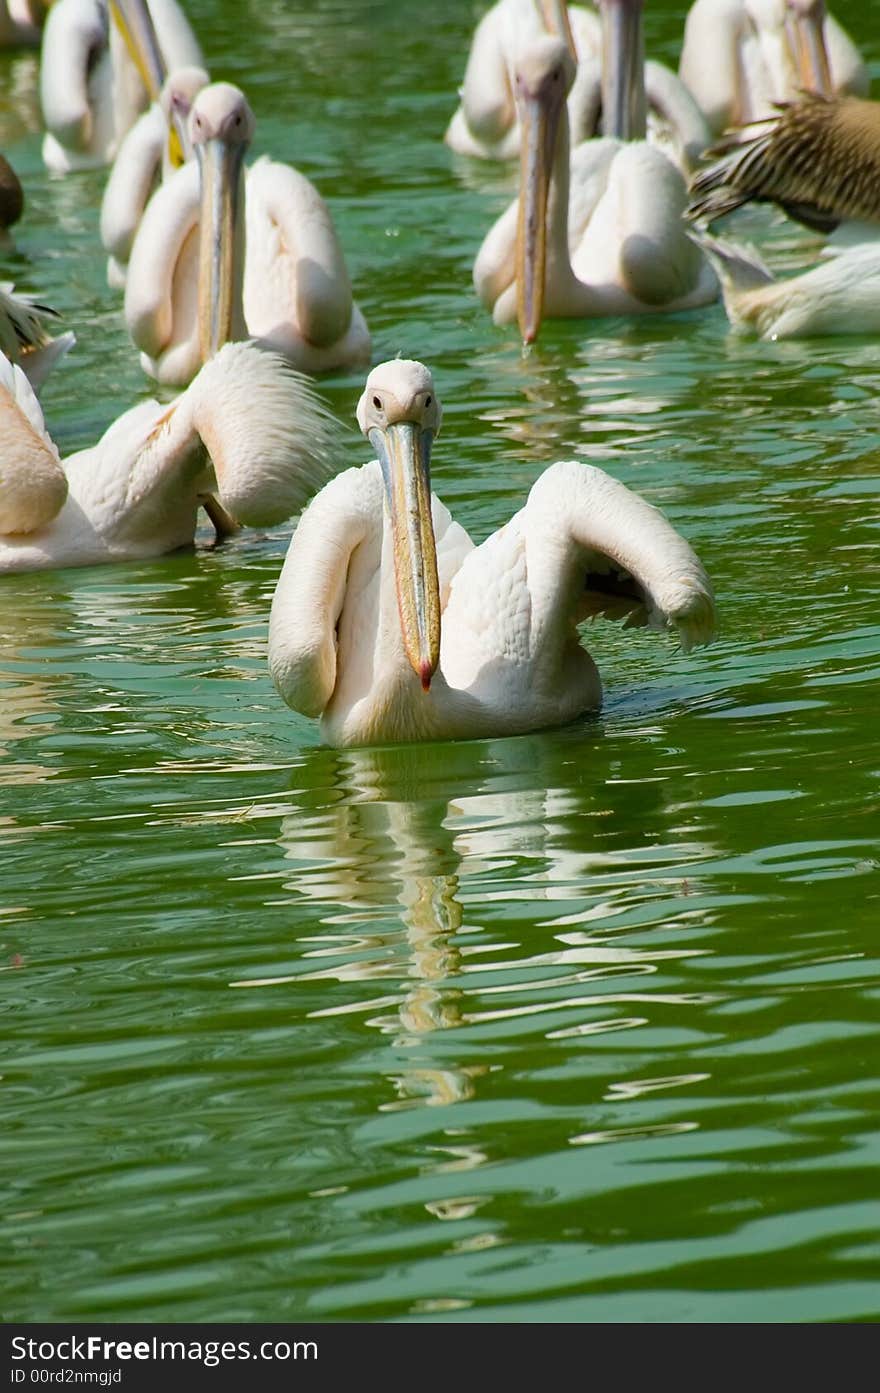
(389,624)
(248,440)
(101,62)
(817,158)
(739,57)
(598,232)
(486,123)
(224,253)
(839,295)
(157,145)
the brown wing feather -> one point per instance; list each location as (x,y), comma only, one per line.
(819,159)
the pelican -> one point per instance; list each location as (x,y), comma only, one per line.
(389,624)
(600,234)
(101,62)
(739,57)
(486,124)
(157,145)
(21,22)
(248,439)
(817,158)
(190,285)
(839,295)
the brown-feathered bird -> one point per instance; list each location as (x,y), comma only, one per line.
(11,195)
(818,159)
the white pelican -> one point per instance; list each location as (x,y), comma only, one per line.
(21,22)
(839,295)
(187,292)
(249,440)
(486,124)
(817,158)
(599,233)
(389,624)
(157,145)
(101,62)
(739,57)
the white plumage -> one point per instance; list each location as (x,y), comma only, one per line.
(249,433)
(142,161)
(740,56)
(486,125)
(598,232)
(91,88)
(839,295)
(507,657)
(290,286)
(33,485)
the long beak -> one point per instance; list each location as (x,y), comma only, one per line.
(811,53)
(135,24)
(220,167)
(539,121)
(624,111)
(404,452)
(558,23)
(179,147)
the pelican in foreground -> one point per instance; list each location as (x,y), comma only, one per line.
(389,624)
(818,159)
(157,145)
(223,253)
(486,124)
(839,295)
(101,63)
(740,57)
(248,440)
(597,232)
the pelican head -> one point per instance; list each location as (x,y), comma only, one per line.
(624,112)
(810,51)
(543,75)
(399,414)
(179,91)
(221,128)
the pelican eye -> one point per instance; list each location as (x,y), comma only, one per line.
(377,402)
(427,401)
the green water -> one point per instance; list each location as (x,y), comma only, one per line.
(576,1026)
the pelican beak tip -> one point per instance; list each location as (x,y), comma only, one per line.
(426,672)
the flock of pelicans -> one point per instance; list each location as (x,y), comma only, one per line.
(388,623)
